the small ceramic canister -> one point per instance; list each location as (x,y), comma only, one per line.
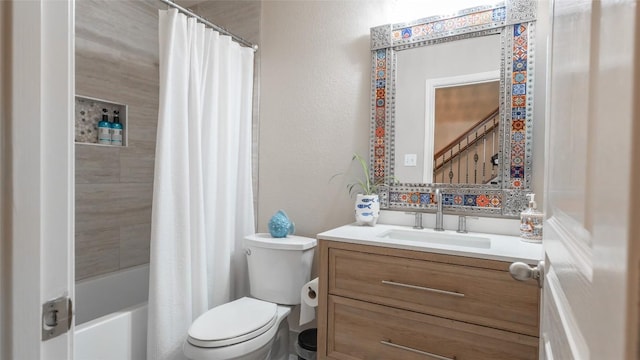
(367,209)
(280,226)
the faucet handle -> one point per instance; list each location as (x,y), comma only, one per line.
(418,220)
(462,224)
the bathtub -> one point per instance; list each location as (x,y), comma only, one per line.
(111,316)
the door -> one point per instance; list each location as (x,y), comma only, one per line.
(591,288)
(41,167)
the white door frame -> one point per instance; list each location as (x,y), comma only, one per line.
(42,164)
(430,110)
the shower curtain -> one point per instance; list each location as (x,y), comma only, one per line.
(202,196)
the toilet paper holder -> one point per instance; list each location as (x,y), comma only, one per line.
(308,301)
(311,293)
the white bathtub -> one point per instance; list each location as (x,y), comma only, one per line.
(111,316)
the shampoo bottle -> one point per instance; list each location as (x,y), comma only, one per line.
(531,222)
(104,129)
(116,129)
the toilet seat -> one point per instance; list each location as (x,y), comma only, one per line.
(233,323)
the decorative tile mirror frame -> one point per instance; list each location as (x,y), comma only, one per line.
(514,21)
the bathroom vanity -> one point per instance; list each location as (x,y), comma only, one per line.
(390,292)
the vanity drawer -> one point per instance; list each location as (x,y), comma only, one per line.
(471,294)
(360,330)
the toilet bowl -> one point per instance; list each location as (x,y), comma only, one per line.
(256,327)
(247,329)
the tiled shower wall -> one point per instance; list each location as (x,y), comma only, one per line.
(117,60)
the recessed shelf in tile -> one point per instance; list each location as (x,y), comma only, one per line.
(88,113)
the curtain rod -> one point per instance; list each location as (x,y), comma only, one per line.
(209,23)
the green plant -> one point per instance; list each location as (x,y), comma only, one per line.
(366,183)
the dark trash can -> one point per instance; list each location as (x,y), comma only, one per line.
(307,344)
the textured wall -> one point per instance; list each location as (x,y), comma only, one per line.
(314,107)
(116,60)
(315,102)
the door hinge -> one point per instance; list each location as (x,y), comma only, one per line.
(57,315)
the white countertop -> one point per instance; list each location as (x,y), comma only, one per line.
(502,247)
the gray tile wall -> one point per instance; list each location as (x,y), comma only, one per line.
(117,60)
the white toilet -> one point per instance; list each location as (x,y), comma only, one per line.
(256,328)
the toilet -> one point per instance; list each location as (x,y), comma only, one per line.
(256,327)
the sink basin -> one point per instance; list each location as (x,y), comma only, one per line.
(438,238)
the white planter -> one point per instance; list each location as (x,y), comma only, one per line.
(367,209)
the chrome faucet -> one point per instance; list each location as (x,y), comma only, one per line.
(418,221)
(439,214)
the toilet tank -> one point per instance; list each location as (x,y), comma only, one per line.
(279,267)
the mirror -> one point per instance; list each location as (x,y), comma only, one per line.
(452,108)
(439,102)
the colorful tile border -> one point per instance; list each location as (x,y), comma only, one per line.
(518,130)
(480,199)
(495,17)
(472,200)
(379,115)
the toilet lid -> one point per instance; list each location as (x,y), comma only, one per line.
(233,322)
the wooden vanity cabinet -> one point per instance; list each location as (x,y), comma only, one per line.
(392,304)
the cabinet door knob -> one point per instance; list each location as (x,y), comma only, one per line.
(523,272)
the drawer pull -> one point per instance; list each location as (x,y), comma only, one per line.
(439,357)
(444,292)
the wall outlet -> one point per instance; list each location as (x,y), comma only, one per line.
(410,159)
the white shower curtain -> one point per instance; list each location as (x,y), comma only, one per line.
(202,196)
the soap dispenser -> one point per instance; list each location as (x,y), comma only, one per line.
(116,129)
(104,129)
(531,222)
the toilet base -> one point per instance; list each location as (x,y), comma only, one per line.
(280,346)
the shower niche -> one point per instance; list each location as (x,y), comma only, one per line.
(88,114)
